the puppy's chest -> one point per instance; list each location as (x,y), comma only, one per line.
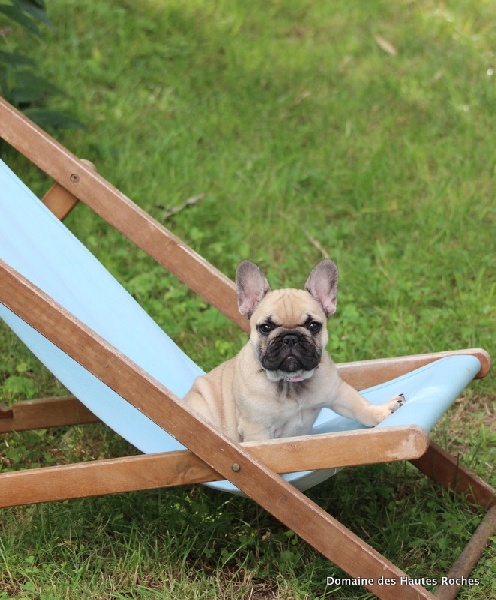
(294,411)
(293,399)
(292,391)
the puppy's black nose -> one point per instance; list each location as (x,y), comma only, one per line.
(290,339)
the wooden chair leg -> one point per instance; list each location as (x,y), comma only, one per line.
(442,468)
(459,573)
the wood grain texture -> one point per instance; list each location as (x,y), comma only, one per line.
(367,373)
(253,477)
(41,414)
(169,469)
(59,201)
(442,468)
(469,557)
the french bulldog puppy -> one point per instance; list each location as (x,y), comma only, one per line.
(281,379)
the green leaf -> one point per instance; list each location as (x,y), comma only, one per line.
(30,88)
(54,119)
(36,10)
(15,59)
(15,386)
(18,16)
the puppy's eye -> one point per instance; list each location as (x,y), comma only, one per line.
(314,327)
(266,328)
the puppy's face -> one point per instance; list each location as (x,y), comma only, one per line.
(288,327)
(288,333)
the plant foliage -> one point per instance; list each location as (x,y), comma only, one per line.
(20,83)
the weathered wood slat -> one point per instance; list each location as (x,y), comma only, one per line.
(141,472)
(41,414)
(469,557)
(442,468)
(367,373)
(59,201)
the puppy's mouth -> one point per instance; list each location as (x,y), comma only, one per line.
(290,364)
(293,377)
(291,356)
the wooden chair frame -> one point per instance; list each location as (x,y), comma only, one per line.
(253,468)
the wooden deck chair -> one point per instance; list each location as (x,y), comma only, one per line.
(100,350)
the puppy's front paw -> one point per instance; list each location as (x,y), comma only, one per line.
(379,412)
(395,403)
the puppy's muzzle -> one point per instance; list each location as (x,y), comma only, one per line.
(291,351)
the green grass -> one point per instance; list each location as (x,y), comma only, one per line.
(301,132)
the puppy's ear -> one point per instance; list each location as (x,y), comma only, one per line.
(251,287)
(322,283)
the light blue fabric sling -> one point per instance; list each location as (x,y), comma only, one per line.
(36,244)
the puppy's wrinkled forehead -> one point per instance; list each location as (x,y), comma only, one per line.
(288,308)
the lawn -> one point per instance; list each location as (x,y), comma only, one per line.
(362,131)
